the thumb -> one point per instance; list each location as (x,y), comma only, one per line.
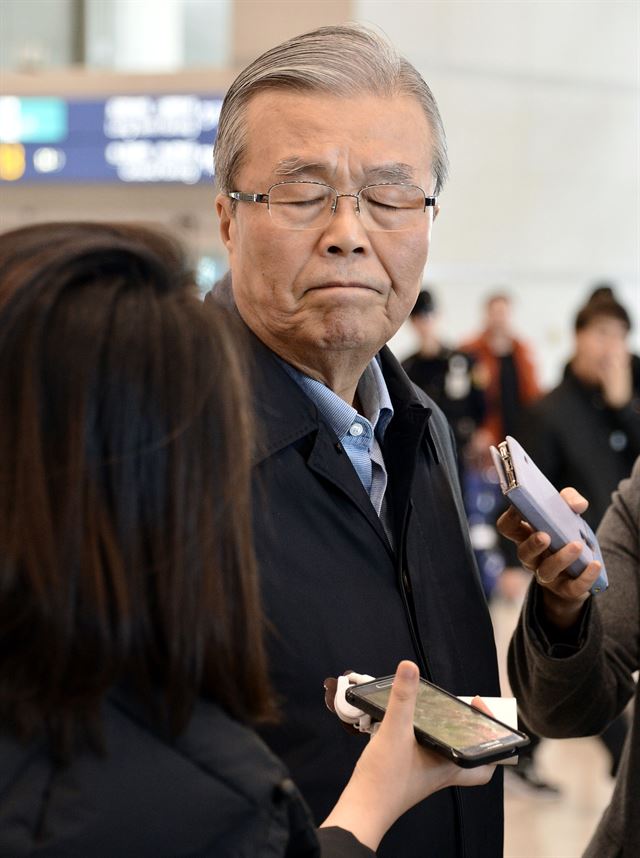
(478,703)
(402,700)
(576,501)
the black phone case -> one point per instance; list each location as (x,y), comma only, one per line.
(377,712)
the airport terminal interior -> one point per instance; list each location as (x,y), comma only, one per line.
(109,109)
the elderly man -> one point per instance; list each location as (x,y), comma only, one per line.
(329,158)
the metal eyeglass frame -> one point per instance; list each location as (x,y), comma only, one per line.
(239,196)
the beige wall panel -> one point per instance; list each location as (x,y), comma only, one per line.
(261,24)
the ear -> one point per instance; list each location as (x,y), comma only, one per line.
(436,211)
(224,210)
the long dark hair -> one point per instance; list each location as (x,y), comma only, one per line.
(125,532)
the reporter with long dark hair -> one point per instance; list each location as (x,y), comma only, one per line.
(131,656)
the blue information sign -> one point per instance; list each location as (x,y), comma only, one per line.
(124,138)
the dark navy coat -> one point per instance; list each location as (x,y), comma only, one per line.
(215,792)
(339,596)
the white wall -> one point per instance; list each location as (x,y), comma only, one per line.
(157,35)
(541,102)
(34,33)
(541,106)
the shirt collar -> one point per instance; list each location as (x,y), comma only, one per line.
(375,398)
(372,392)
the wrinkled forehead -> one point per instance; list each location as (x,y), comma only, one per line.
(294,135)
(293,167)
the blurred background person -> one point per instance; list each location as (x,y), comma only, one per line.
(449,376)
(507,360)
(132,662)
(511,384)
(585,433)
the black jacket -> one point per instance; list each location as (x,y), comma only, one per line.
(450,379)
(577,682)
(216,792)
(577,440)
(339,596)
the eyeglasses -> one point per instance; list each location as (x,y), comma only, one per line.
(310,205)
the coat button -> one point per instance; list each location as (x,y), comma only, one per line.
(284,790)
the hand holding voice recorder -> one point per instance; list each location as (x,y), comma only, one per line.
(445,724)
(539,503)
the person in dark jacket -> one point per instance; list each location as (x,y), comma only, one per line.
(573,657)
(586,432)
(329,157)
(132,662)
(449,376)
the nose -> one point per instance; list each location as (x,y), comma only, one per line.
(339,196)
(344,233)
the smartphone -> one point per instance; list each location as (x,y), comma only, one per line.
(540,503)
(445,724)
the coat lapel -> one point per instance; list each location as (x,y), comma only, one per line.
(285,415)
(407,435)
(329,460)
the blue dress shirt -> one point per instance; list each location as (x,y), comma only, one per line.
(359,434)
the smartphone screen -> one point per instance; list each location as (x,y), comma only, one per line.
(448,720)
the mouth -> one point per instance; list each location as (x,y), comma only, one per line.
(348,285)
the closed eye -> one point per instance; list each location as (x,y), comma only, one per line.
(301,203)
(381,205)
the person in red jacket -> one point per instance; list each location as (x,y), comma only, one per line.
(512,382)
(512,385)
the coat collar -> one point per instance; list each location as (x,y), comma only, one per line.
(285,414)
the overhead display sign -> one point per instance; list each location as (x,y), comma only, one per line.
(124,138)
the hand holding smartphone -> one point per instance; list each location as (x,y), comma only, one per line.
(542,506)
(443,723)
(393,773)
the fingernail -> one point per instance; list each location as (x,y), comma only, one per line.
(406,671)
(540,540)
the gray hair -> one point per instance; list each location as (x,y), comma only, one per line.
(339,60)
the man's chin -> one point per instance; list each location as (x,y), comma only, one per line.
(347,337)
